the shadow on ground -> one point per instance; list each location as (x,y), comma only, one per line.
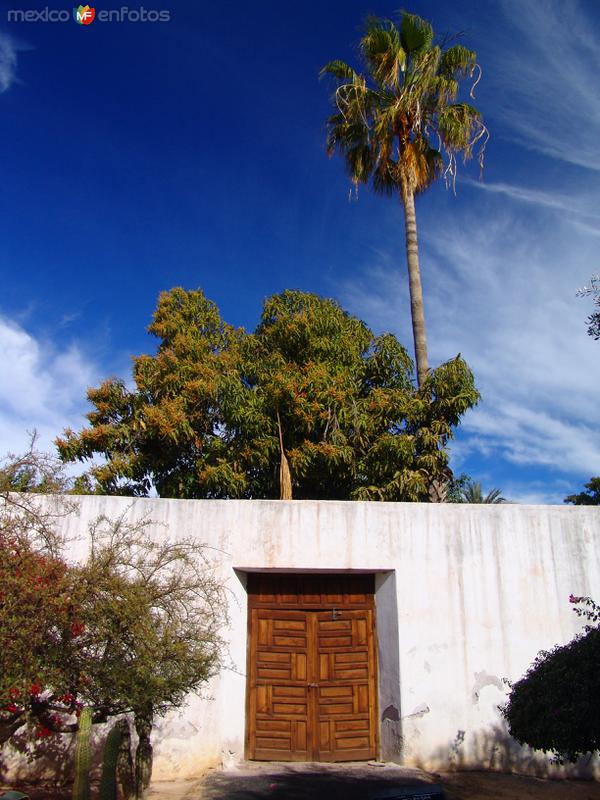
(494,749)
(314,781)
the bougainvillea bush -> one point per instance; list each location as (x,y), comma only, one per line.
(39,627)
(555,706)
(39,595)
(131,630)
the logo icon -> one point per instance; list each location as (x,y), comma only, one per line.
(84,15)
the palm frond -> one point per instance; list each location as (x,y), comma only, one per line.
(382,51)
(458,126)
(359,163)
(494,496)
(429,167)
(446,88)
(285,477)
(422,73)
(351,138)
(457,61)
(340,70)
(385,178)
(416,34)
(473,493)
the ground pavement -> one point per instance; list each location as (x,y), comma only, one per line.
(285,781)
(274,781)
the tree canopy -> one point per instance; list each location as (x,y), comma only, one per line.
(212,406)
(463,489)
(593,320)
(473,493)
(591,497)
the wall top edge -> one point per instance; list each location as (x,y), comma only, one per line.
(289,504)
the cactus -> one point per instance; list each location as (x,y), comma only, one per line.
(81,787)
(112,747)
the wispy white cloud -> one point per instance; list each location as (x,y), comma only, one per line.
(537,493)
(544,66)
(8,61)
(42,387)
(502,293)
(579,204)
(593,230)
(527,435)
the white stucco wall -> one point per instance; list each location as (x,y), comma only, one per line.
(479,591)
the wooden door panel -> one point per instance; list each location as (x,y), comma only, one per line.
(275,590)
(346,704)
(312,674)
(279,692)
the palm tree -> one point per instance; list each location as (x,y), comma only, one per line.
(472,493)
(386,120)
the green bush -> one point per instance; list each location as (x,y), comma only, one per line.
(556,704)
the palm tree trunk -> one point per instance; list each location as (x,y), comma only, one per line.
(417,309)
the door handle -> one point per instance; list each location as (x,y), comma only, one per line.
(313,685)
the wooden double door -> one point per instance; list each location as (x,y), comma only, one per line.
(312,672)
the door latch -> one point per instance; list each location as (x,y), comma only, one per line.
(335,614)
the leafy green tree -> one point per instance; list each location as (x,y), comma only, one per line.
(555,706)
(593,320)
(217,410)
(591,497)
(132,629)
(456,486)
(390,121)
(473,493)
(150,618)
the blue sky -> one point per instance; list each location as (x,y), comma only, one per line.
(137,157)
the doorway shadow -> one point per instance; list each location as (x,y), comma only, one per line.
(311,781)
